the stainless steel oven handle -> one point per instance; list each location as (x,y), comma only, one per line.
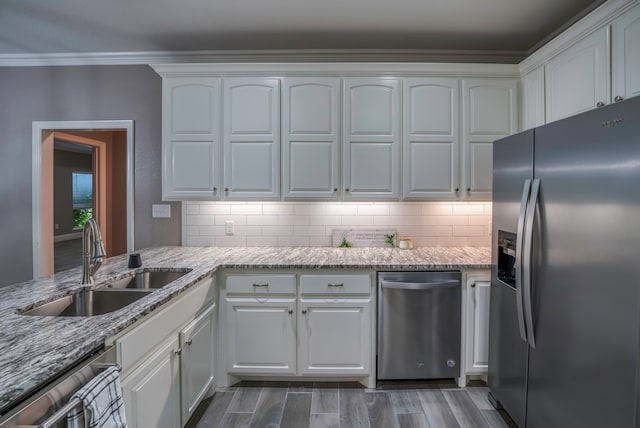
(526,190)
(420,285)
(527,261)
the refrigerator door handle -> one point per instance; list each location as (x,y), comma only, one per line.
(519,238)
(527,260)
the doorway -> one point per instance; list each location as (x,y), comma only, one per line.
(102,153)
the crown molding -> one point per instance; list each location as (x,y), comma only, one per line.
(263,56)
(593,21)
(337,69)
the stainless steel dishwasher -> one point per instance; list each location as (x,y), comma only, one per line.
(419,325)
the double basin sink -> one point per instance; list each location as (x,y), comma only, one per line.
(115,295)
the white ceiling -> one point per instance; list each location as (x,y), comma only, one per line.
(78,26)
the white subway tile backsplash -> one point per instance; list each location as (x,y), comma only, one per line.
(246,209)
(468,209)
(277,230)
(312,223)
(293,241)
(262,220)
(262,241)
(372,209)
(357,220)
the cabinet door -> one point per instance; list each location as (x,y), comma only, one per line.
(371,142)
(152,391)
(197,361)
(489,113)
(310,136)
(251,138)
(577,79)
(191,138)
(334,337)
(478,292)
(430,138)
(260,336)
(533,99)
(626,55)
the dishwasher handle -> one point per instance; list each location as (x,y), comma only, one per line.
(399,285)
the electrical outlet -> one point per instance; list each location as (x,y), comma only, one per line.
(160,211)
(228,227)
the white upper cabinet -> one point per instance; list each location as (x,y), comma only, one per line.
(532,113)
(310,138)
(191,138)
(371,141)
(626,55)
(577,79)
(430,147)
(489,113)
(251,138)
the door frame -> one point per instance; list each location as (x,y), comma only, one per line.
(38,129)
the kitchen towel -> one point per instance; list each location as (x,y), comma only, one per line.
(102,403)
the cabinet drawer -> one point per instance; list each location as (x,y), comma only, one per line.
(261,284)
(138,342)
(335,284)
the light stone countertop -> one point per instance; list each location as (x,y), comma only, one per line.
(35,348)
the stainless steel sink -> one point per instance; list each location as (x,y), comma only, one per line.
(87,303)
(149,279)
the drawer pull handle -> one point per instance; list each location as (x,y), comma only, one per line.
(266,284)
(336,285)
(290,311)
(189,341)
(304,311)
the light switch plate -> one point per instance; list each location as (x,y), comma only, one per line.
(161,211)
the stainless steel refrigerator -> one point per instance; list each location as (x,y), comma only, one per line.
(565,280)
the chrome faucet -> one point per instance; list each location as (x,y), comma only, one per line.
(92,250)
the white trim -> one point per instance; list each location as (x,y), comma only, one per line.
(595,20)
(67,237)
(347,69)
(292,55)
(37,128)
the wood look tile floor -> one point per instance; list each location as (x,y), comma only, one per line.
(348,405)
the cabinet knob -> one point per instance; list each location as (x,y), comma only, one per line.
(468,189)
(473,285)
(290,311)
(618,98)
(304,311)
(215,189)
(178,351)
(457,189)
(335,190)
(346,190)
(189,341)
(226,189)
(600,104)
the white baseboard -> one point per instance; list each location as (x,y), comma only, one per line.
(67,237)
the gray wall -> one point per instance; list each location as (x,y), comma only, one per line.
(77,93)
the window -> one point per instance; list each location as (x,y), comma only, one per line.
(82,190)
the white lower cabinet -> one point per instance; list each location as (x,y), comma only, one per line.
(477,292)
(261,336)
(334,337)
(197,361)
(152,391)
(168,360)
(298,325)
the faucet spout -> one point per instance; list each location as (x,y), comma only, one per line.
(92,250)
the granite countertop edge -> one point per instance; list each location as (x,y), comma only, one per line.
(39,348)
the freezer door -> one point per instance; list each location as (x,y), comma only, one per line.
(582,372)
(512,167)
